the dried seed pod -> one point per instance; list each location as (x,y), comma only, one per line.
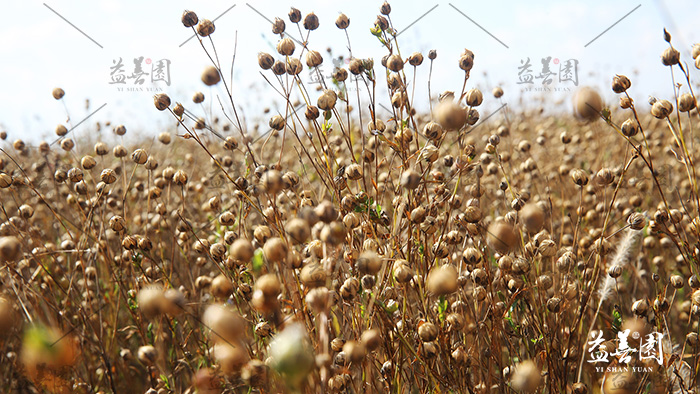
(294,15)
(450,115)
(394,63)
(442,280)
(311,22)
(620,84)
(526,377)
(58,93)
(410,179)
(275,250)
(225,323)
(661,109)
(371,339)
(670,56)
(139,156)
(327,100)
(278,26)
(427,332)
(10,248)
(285,47)
(151,301)
(579,177)
(211,76)
(205,27)
(298,230)
(687,102)
(265,60)
(313,59)
(466,61)
(242,250)
(189,18)
(474,98)
(502,237)
(355,351)
(162,101)
(61,130)
(629,128)
(313,275)
(416,59)
(587,104)
(221,287)
(147,355)
(497,92)
(294,66)
(342,22)
(532,216)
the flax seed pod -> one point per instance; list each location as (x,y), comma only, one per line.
(687,102)
(620,84)
(61,130)
(526,377)
(294,15)
(221,287)
(285,47)
(211,76)
(342,22)
(466,61)
(58,93)
(629,128)
(587,104)
(502,237)
(189,18)
(67,144)
(497,92)
(327,100)
(147,355)
(474,98)
(311,22)
(205,27)
(416,59)
(275,250)
(579,177)
(265,60)
(442,280)
(661,109)
(670,56)
(313,59)
(242,250)
(278,26)
(450,115)
(394,63)
(162,101)
(10,248)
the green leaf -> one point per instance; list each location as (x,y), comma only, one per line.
(617,319)
(258,260)
(164,379)
(442,307)
(149,332)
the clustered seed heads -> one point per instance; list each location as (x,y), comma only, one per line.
(349,249)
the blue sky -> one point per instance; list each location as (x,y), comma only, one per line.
(42,51)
